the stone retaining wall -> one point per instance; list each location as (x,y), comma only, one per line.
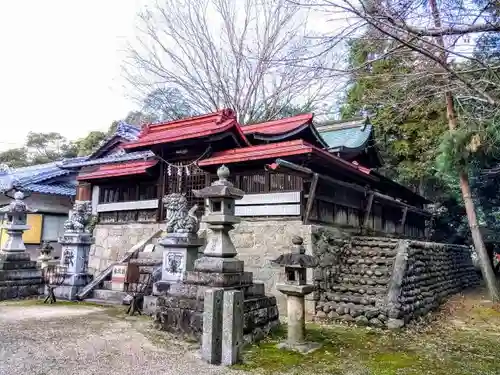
(261,241)
(258,243)
(112,241)
(387,282)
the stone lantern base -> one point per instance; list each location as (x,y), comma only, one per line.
(19,277)
(296,318)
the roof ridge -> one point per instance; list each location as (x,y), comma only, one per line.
(222,115)
(306,117)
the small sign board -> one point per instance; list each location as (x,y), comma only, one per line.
(118,277)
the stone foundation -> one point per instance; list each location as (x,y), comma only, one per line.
(183,313)
(261,241)
(257,241)
(343,291)
(19,277)
(387,282)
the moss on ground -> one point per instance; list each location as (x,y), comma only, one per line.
(463,339)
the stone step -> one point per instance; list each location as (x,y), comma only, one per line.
(103,302)
(17,265)
(20,274)
(146,262)
(153,255)
(108,295)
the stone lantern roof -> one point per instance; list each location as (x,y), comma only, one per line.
(297,258)
(222,188)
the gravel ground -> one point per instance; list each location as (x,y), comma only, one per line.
(63,340)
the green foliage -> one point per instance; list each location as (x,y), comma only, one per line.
(87,145)
(407,134)
(42,148)
(14,157)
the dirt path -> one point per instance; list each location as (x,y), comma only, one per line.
(60,339)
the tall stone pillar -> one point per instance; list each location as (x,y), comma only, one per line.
(75,250)
(19,276)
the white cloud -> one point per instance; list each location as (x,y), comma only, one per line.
(60,66)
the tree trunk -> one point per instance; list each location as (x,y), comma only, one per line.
(477,238)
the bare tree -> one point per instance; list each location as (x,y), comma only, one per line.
(225,53)
(407,27)
(430,40)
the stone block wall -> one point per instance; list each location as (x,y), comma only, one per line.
(259,242)
(384,281)
(113,241)
(184,315)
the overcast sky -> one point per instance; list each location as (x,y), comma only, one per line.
(60,65)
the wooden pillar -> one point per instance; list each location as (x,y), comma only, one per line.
(402,223)
(310,199)
(368,211)
(84,191)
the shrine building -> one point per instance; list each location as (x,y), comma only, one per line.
(319,181)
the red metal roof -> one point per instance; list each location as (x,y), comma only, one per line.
(116,170)
(277,150)
(279,126)
(193,127)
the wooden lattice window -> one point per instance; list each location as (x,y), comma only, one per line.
(253,184)
(284,182)
(185,179)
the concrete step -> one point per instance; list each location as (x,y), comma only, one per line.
(108,295)
(103,302)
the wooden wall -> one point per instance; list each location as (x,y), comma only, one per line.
(267,195)
(338,205)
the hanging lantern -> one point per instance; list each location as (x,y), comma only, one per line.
(179,172)
(169,170)
(188,173)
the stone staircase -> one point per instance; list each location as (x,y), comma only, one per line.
(100,291)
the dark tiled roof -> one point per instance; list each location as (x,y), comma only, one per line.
(36,178)
(40,178)
(114,158)
(68,190)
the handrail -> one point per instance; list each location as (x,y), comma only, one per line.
(128,255)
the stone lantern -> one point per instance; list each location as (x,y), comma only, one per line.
(19,276)
(219,253)
(45,256)
(16,214)
(295,288)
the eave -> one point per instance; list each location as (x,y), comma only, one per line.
(280,150)
(211,126)
(118,170)
(291,128)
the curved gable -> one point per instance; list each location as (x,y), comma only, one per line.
(286,129)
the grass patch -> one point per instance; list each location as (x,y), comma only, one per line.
(441,348)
